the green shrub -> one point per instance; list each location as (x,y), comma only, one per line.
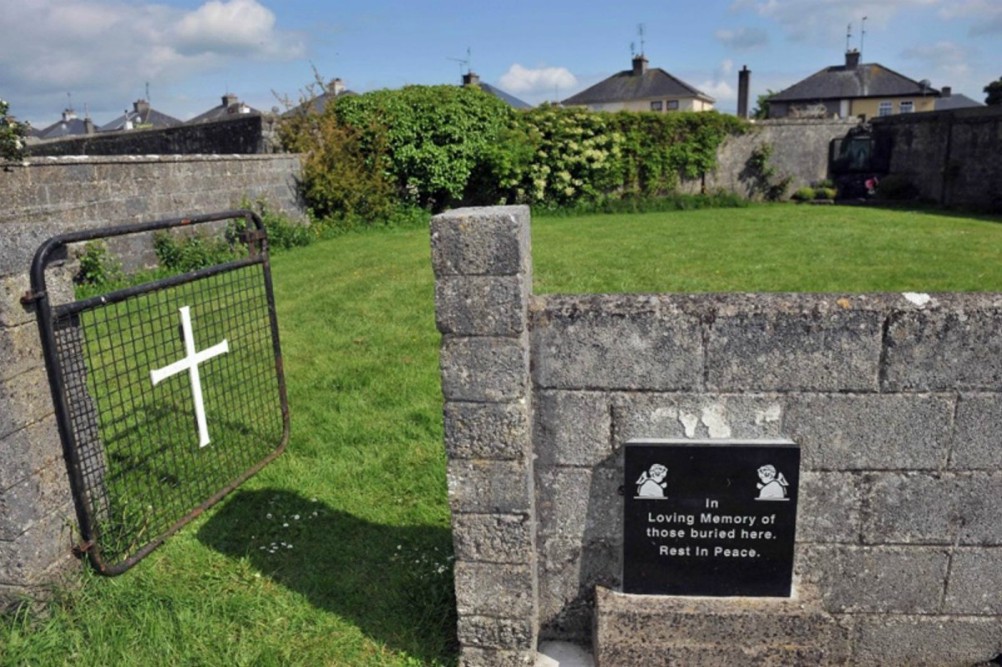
(97,266)
(283,232)
(804,193)
(825,192)
(181,254)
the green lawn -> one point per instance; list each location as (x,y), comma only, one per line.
(338,553)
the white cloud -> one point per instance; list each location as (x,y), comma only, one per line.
(985,15)
(719,90)
(240,27)
(544,81)
(743,39)
(104,51)
(826,19)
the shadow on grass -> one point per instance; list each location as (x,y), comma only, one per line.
(393,582)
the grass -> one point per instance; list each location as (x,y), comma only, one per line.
(779,248)
(338,553)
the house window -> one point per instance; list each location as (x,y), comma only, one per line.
(907,106)
(672,105)
(886,109)
(657,105)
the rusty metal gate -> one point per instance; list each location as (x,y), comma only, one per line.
(168,394)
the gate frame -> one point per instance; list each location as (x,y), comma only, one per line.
(256,238)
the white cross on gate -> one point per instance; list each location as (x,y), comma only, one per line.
(190,363)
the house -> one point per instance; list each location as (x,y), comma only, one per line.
(142,116)
(69,125)
(471,79)
(857,89)
(948,101)
(642,89)
(230,108)
(317,104)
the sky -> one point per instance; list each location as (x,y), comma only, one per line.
(99,56)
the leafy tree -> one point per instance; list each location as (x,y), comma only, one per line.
(12,135)
(436,137)
(994,93)
(761,110)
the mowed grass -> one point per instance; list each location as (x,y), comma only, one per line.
(778,248)
(338,553)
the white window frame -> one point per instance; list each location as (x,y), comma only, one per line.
(906,106)
(885,109)
(672,105)
(657,105)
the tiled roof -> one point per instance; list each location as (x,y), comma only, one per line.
(146,117)
(510,100)
(626,86)
(64,128)
(846,82)
(956,101)
(230,108)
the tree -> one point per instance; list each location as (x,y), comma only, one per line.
(12,133)
(994,92)
(761,110)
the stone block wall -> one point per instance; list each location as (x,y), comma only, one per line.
(45,197)
(37,519)
(895,401)
(951,157)
(48,196)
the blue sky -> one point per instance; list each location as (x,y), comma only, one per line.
(105,52)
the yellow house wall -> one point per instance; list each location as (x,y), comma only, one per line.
(871,107)
(684,104)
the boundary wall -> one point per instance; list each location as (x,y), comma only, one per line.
(895,401)
(45,197)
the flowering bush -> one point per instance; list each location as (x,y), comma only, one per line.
(12,135)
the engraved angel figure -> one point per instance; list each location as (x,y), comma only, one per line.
(773,484)
(651,483)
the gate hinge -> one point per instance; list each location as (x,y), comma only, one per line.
(81,549)
(30,297)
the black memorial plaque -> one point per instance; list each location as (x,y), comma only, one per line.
(704,517)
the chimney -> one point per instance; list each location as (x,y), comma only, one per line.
(336,87)
(639,65)
(946,91)
(851,59)
(744,79)
(141,106)
(229,99)
(471,79)
(68,115)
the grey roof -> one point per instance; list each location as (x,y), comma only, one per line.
(510,100)
(64,128)
(230,108)
(626,86)
(956,101)
(318,103)
(842,82)
(146,117)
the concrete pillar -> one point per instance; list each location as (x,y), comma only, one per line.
(744,81)
(37,519)
(482,263)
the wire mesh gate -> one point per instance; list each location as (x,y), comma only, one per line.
(168,394)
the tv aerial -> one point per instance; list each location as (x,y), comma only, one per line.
(464,62)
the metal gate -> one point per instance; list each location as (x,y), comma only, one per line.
(168,394)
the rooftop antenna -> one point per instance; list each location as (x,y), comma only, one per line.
(147,91)
(862,36)
(69,101)
(633,50)
(464,62)
(848,35)
(640,31)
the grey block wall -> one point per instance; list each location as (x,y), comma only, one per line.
(895,400)
(48,196)
(483,277)
(37,520)
(45,197)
